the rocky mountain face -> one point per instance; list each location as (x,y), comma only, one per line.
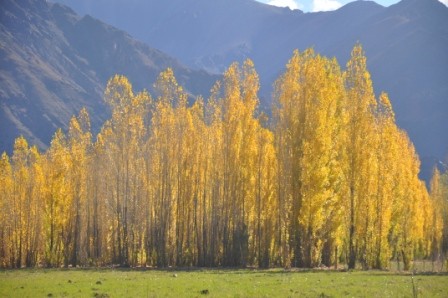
(54,62)
(406,45)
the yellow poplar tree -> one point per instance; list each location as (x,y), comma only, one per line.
(37,190)
(386,159)
(6,192)
(169,183)
(309,110)
(21,201)
(58,202)
(79,142)
(237,99)
(125,135)
(360,157)
(439,200)
(408,221)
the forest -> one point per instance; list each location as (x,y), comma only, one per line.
(329,179)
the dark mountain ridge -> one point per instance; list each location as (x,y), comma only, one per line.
(54,62)
(406,45)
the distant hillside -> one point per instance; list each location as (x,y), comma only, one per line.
(406,45)
(54,62)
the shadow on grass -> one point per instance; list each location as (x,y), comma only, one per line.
(231,270)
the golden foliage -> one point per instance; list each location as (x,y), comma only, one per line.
(331,179)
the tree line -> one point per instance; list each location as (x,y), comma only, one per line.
(329,179)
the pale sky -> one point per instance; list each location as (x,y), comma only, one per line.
(323,5)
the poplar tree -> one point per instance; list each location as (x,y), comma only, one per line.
(439,196)
(169,182)
(309,111)
(360,153)
(58,202)
(6,192)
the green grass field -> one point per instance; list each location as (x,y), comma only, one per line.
(217,283)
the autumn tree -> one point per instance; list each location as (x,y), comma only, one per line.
(124,135)
(79,146)
(58,201)
(236,102)
(360,150)
(386,151)
(309,115)
(213,182)
(6,192)
(439,195)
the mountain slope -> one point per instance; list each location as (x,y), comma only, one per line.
(53,63)
(406,45)
(204,33)
(410,45)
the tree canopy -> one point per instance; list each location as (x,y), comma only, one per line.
(329,179)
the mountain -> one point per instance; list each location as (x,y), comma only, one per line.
(54,62)
(406,45)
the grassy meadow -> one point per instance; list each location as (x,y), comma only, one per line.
(217,283)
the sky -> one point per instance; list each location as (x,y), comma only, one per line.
(323,5)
